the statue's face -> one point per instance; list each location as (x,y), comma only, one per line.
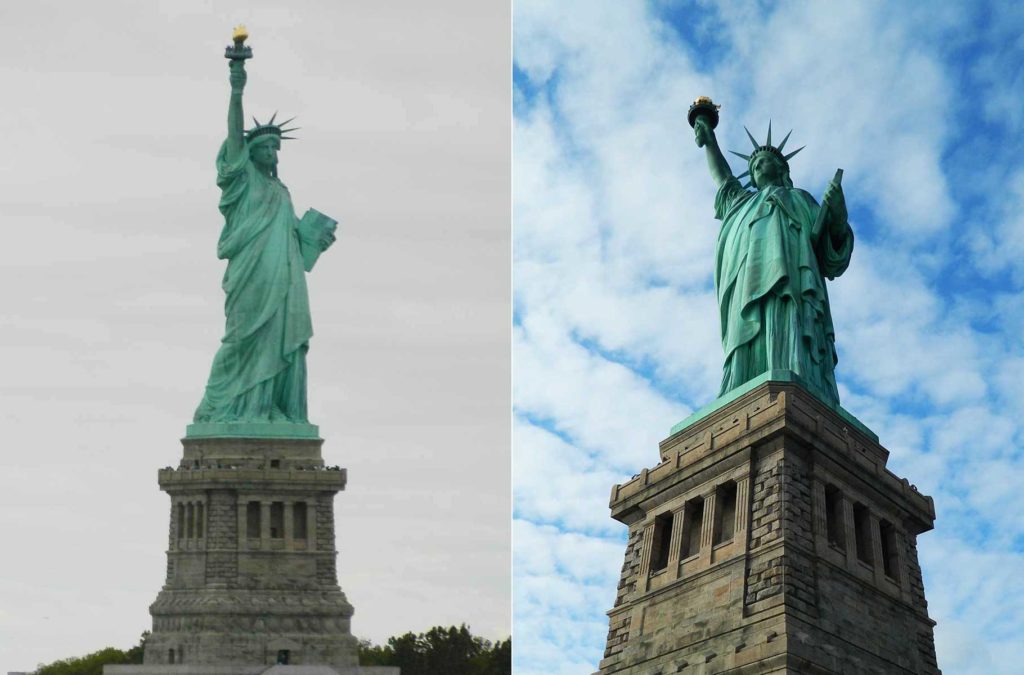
(264,155)
(766,169)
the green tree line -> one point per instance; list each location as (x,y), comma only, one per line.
(92,664)
(439,651)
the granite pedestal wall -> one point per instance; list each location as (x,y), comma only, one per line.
(251,563)
(770,539)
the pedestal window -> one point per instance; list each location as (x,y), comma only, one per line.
(252,520)
(725,513)
(694,515)
(276,520)
(862,533)
(834,517)
(890,559)
(660,541)
(299,520)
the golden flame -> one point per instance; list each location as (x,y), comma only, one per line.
(703,99)
(240,34)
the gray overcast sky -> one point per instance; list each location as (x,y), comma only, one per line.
(112,308)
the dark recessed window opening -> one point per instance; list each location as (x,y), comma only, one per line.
(660,541)
(834,517)
(890,557)
(862,530)
(299,520)
(692,519)
(276,520)
(725,513)
(252,520)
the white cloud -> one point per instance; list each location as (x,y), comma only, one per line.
(563,581)
(1000,246)
(977,598)
(558,482)
(599,403)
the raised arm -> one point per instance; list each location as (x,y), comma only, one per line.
(236,120)
(705,137)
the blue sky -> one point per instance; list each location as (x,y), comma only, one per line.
(616,337)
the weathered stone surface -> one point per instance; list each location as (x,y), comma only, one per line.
(251,561)
(818,572)
(186,669)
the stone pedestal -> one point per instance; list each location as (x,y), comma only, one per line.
(770,539)
(251,564)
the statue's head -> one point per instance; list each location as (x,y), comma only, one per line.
(263,152)
(766,165)
(768,168)
(264,141)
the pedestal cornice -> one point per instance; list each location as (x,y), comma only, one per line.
(757,414)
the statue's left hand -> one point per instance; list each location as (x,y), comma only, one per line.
(326,241)
(835,202)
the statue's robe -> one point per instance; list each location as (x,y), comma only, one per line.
(259,372)
(769,277)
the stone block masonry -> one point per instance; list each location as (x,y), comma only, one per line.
(251,561)
(770,539)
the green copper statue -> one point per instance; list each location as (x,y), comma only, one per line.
(259,372)
(775,248)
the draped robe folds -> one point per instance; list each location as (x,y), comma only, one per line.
(259,372)
(769,277)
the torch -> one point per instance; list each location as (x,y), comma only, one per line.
(238,51)
(706,108)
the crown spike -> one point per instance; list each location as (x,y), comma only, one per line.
(286,122)
(783,143)
(751,137)
(274,116)
(741,155)
(749,185)
(786,157)
(288,138)
(769,141)
(745,173)
(255,121)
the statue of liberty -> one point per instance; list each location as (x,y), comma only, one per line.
(259,372)
(775,248)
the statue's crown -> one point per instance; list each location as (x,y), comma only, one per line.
(771,149)
(269,128)
(766,147)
